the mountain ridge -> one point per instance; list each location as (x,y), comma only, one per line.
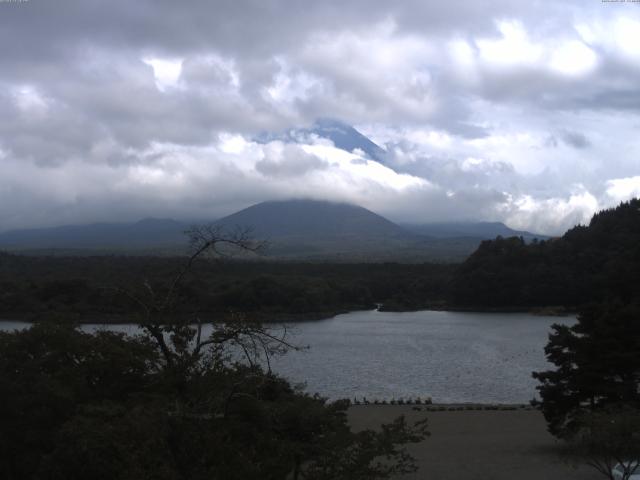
(294,229)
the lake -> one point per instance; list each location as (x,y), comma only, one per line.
(449,356)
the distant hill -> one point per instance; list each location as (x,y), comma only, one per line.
(479,230)
(343,136)
(319,229)
(313,219)
(294,229)
(145,234)
(587,264)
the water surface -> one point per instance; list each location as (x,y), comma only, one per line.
(449,356)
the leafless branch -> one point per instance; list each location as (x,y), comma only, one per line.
(204,238)
(252,338)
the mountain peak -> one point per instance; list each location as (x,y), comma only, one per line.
(346,137)
(343,136)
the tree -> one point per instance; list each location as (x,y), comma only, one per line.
(50,373)
(173,403)
(592,399)
(587,264)
(597,364)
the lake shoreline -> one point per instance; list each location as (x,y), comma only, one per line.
(286,317)
(125,319)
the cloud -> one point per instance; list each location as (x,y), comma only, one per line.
(576,140)
(288,161)
(551,216)
(488,111)
(623,189)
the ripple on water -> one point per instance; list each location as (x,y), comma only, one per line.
(450,356)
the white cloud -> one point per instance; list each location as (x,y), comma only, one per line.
(513,49)
(165,71)
(551,216)
(286,160)
(627,34)
(617,36)
(30,101)
(622,189)
(382,70)
(573,58)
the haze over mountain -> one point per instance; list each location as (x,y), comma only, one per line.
(297,229)
(481,230)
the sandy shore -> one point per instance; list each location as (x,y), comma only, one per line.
(480,444)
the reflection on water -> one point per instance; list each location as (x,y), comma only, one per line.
(450,356)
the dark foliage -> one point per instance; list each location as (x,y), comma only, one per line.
(597,366)
(174,403)
(589,263)
(104,406)
(609,441)
(81,286)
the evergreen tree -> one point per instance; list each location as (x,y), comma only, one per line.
(597,365)
(587,264)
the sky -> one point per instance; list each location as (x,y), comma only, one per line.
(521,112)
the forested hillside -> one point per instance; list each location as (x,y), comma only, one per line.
(587,264)
(86,287)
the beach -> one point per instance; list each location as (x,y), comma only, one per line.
(469,444)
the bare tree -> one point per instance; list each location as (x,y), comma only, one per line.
(181,341)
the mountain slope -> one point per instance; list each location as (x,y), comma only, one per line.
(318,229)
(311,218)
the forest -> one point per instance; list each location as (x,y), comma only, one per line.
(587,264)
(89,287)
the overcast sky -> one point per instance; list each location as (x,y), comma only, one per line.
(525,112)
